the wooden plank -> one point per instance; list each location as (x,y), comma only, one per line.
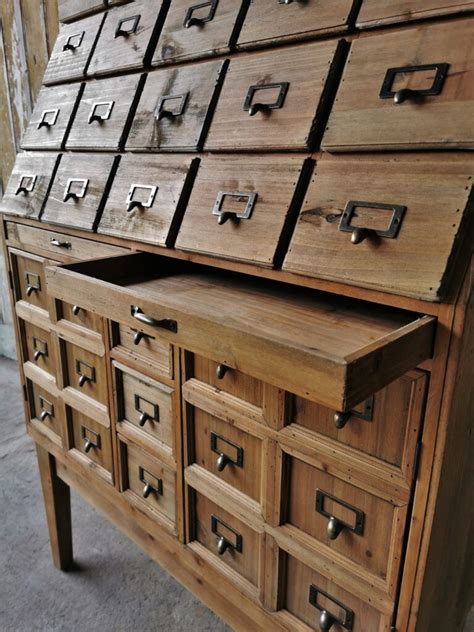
(36,48)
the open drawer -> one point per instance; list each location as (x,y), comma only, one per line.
(334,351)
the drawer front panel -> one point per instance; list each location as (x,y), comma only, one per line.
(407,90)
(29,279)
(74,9)
(148,198)
(271,22)
(240,207)
(374,13)
(46,409)
(274,101)
(29,183)
(78,192)
(105,113)
(72,50)
(175,108)
(90,438)
(348,201)
(52,117)
(85,372)
(232,455)
(81,317)
(145,348)
(197,29)
(38,347)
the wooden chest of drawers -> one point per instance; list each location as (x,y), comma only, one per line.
(240,247)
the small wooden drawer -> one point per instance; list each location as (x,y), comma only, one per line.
(128,37)
(105,113)
(79,190)
(313,599)
(76,315)
(29,184)
(46,412)
(144,348)
(198,29)
(148,483)
(145,404)
(363,222)
(84,371)
(28,279)
(90,441)
(52,117)
(74,9)
(38,347)
(407,90)
(274,21)
(148,198)
(73,50)
(374,13)
(242,207)
(176,107)
(275,101)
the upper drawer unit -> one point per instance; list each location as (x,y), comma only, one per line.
(176,107)
(407,90)
(79,190)
(73,50)
(52,117)
(128,37)
(29,184)
(375,13)
(275,101)
(105,113)
(242,208)
(198,29)
(148,198)
(392,224)
(274,21)
(73,9)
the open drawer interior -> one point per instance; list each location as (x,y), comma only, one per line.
(333,350)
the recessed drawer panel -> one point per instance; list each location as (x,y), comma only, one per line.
(29,280)
(273,21)
(79,190)
(407,90)
(148,198)
(374,13)
(76,315)
(38,347)
(90,438)
(29,184)
(52,117)
(128,37)
(175,108)
(145,348)
(46,411)
(74,9)
(240,208)
(84,371)
(198,29)
(105,112)
(73,50)
(275,101)
(364,222)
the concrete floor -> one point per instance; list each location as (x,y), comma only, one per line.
(117,589)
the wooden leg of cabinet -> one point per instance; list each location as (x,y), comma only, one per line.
(57,501)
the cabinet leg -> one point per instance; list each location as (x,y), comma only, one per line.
(57,501)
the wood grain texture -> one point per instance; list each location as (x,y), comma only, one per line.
(29,280)
(46,412)
(374,13)
(73,9)
(82,429)
(79,362)
(151,350)
(39,340)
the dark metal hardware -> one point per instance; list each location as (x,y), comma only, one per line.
(359,234)
(74,41)
(86,372)
(341,418)
(40,348)
(26,185)
(223,543)
(48,118)
(61,244)
(224,459)
(164,323)
(105,116)
(400,96)
(252,108)
(189,20)
(285,1)
(144,415)
(150,488)
(47,408)
(33,283)
(76,309)
(133,204)
(221,370)
(125,32)
(138,337)
(336,526)
(161,112)
(91,439)
(224,216)
(328,619)
(75,195)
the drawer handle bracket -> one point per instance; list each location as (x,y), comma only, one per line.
(223,542)
(224,216)
(359,234)
(131,29)
(26,185)
(161,112)
(105,110)
(86,372)
(224,459)
(148,203)
(48,118)
(341,418)
(144,415)
(164,323)
(327,619)
(91,439)
(139,336)
(335,525)
(47,409)
(221,371)
(75,310)
(400,96)
(252,108)
(61,244)
(73,41)
(40,349)
(189,20)
(33,283)
(69,194)
(149,488)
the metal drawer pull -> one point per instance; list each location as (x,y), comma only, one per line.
(133,204)
(33,283)
(224,216)
(100,117)
(144,415)
(74,41)
(76,309)
(48,118)
(132,28)
(91,439)
(223,542)
(171,113)
(69,194)
(164,323)
(328,619)
(252,108)
(400,96)
(285,1)
(359,233)
(341,418)
(149,488)
(86,372)
(47,409)
(335,525)
(61,244)
(221,370)
(26,185)
(224,459)
(189,20)
(40,348)
(139,336)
